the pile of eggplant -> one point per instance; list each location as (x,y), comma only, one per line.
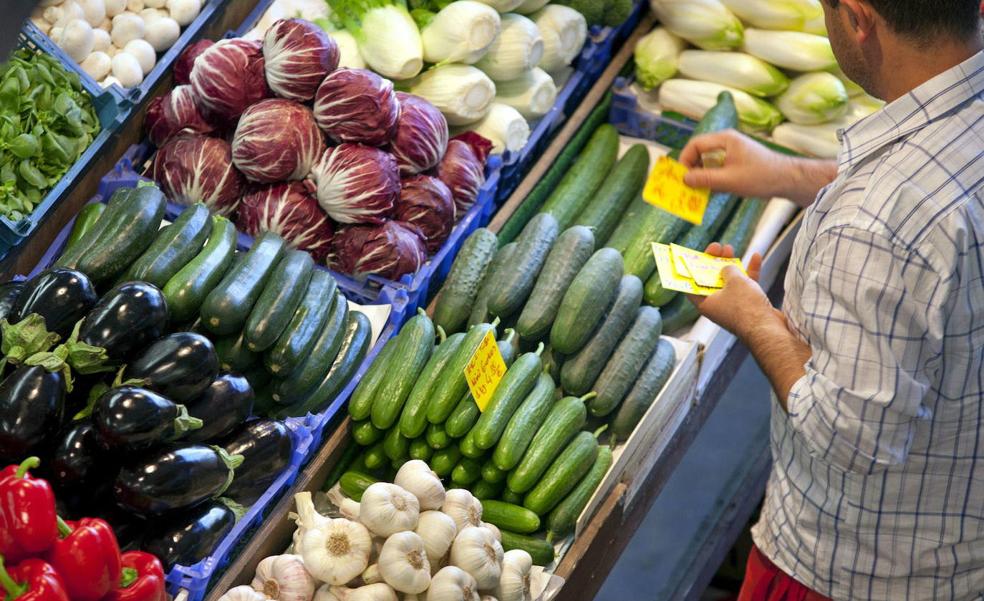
(134,423)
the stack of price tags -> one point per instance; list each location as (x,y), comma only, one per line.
(690,271)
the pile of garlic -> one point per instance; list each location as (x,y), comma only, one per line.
(410,540)
(115,41)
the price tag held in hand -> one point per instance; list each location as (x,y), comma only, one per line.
(484,371)
(665,189)
(701,275)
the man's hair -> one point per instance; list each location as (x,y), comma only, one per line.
(926,18)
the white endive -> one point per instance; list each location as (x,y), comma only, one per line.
(461,32)
(532,94)
(815,140)
(792,50)
(734,69)
(389,40)
(437,530)
(284,578)
(775,14)
(387,509)
(476,551)
(816,25)
(564,33)
(529,7)
(518,49)
(707,24)
(453,584)
(348,50)
(514,583)
(463,93)
(863,106)
(503,6)
(403,563)
(418,479)
(505,127)
(813,99)
(657,57)
(694,98)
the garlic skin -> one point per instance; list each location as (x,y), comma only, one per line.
(437,531)
(284,578)
(417,478)
(403,563)
(494,530)
(338,552)
(370,592)
(307,517)
(243,593)
(463,508)
(326,592)
(452,584)
(387,509)
(476,551)
(372,575)
(514,583)
(488,598)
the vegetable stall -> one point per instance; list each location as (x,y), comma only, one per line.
(245,330)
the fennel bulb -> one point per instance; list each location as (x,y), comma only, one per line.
(503,6)
(463,93)
(564,32)
(694,98)
(707,24)
(460,33)
(528,7)
(813,99)
(793,50)
(388,38)
(532,94)
(518,49)
(734,69)
(504,127)
(816,25)
(348,50)
(776,14)
(820,141)
(657,57)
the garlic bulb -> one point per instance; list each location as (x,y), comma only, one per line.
(476,551)
(463,508)
(243,593)
(452,584)
(370,592)
(494,530)
(514,583)
(387,509)
(417,478)
(403,563)
(307,516)
(326,592)
(338,552)
(372,575)
(488,598)
(283,578)
(437,531)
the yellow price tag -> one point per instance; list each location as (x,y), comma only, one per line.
(705,269)
(484,371)
(665,189)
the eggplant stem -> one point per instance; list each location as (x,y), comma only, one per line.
(185,422)
(12,588)
(28,464)
(236,508)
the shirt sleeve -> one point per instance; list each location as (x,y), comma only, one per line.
(873,316)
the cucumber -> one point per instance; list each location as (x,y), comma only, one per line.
(514,518)
(466,413)
(563,518)
(512,284)
(360,405)
(568,255)
(738,233)
(511,497)
(186,291)
(565,419)
(469,448)
(119,247)
(627,362)
(365,434)
(375,456)
(112,217)
(413,420)
(227,307)
(419,449)
(645,390)
(305,325)
(457,297)
(303,378)
(437,438)
(396,446)
(354,484)
(629,226)
(281,295)
(467,472)
(480,310)
(540,550)
(585,177)
(553,361)
(492,474)
(233,354)
(84,222)
(524,423)
(413,349)
(451,383)
(581,369)
(624,183)
(483,490)
(590,295)
(678,314)
(565,472)
(518,381)
(173,248)
(444,461)
(509,347)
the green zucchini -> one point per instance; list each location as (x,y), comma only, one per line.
(365,434)
(540,550)
(738,233)
(84,222)
(518,381)
(678,314)
(563,475)
(492,474)
(553,361)
(457,297)
(469,448)
(627,229)
(396,446)
(173,248)
(590,295)
(354,484)
(624,183)
(413,349)
(444,461)
(282,294)
(511,286)
(112,217)
(572,250)
(360,404)
(413,420)
(233,354)
(437,438)
(484,490)
(565,419)
(451,383)
(419,449)
(563,518)
(227,307)
(627,362)
(187,289)
(119,247)
(514,518)
(467,472)
(524,423)
(645,390)
(502,260)
(305,325)
(581,369)
(585,177)
(292,387)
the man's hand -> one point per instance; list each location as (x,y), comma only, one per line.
(742,303)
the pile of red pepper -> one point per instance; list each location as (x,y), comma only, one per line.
(43,558)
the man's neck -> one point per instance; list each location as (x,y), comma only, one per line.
(911,66)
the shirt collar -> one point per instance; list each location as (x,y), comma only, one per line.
(912,111)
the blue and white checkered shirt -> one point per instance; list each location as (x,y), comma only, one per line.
(877,489)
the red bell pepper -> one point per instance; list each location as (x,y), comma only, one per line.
(142,580)
(32,580)
(28,521)
(88,558)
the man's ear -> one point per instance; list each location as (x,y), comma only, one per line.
(861,17)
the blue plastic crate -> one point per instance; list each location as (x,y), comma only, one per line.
(633,120)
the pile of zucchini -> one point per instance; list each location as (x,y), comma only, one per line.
(271,314)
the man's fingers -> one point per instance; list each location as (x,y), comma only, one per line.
(690,156)
(728,252)
(731,272)
(714,248)
(755,266)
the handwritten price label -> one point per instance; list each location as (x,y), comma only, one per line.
(665,189)
(484,371)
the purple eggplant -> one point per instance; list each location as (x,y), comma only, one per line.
(134,419)
(80,456)
(266,446)
(189,536)
(9,293)
(32,404)
(126,319)
(180,366)
(224,407)
(61,296)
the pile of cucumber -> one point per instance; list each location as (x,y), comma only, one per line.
(271,314)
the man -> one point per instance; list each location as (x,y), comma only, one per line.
(877,486)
